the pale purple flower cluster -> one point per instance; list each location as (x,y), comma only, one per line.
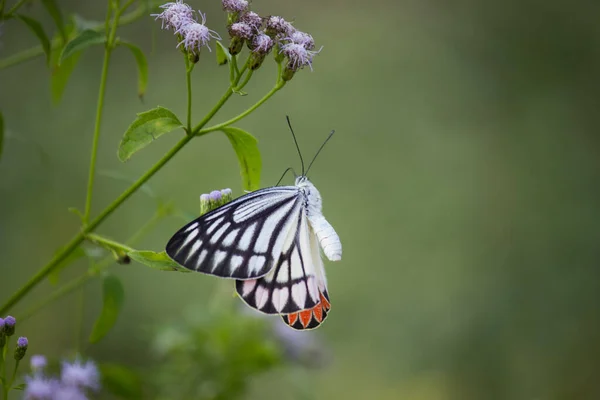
(76,379)
(235,6)
(262,34)
(175,15)
(181,18)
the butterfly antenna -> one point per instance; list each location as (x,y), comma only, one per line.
(285,172)
(295,141)
(320,148)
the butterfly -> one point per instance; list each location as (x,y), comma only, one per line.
(270,242)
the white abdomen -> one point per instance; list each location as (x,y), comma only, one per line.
(329,240)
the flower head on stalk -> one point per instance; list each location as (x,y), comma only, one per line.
(175,15)
(260,46)
(277,27)
(252,19)
(235,6)
(196,34)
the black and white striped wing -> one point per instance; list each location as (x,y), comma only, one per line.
(297,285)
(242,239)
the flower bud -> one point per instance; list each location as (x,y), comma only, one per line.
(9,325)
(277,27)
(21,349)
(252,19)
(227,195)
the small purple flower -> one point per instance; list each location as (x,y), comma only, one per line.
(226,192)
(9,325)
(69,393)
(81,375)
(298,56)
(279,27)
(262,43)
(204,197)
(40,388)
(195,35)
(302,38)
(241,30)
(253,19)
(215,195)
(234,6)
(175,15)
(21,349)
(38,362)
(22,342)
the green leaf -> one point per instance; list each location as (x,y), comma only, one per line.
(121,381)
(160,261)
(1,133)
(22,386)
(85,39)
(54,12)
(245,146)
(71,258)
(223,55)
(113,300)
(60,76)
(148,126)
(37,29)
(142,66)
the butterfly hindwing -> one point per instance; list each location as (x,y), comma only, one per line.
(297,282)
(241,239)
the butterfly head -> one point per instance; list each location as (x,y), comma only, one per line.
(313,197)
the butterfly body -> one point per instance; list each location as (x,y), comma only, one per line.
(269,241)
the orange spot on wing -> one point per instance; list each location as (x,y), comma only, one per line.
(318,312)
(292,318)
(326,304)
(305,317)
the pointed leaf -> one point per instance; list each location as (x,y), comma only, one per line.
(60,76)
(245,146)
(160,261)
(223,55)
(1,133)
(121,381)
(85,39)
(38,31)
(56,15)
(113,301)
(142,66)
(148,126)
(22,386)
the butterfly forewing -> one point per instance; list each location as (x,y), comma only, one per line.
(242,239)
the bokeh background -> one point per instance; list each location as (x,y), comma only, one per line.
(463,182)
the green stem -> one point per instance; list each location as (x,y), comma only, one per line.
(79,238)
(14,374)
(99,109)
(57,42)
(15,8)
(111,244)
(266,97)
(189,66)
(111,33)
(4,351)
(80,281)
(246,80)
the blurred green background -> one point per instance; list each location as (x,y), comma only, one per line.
(463,182)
